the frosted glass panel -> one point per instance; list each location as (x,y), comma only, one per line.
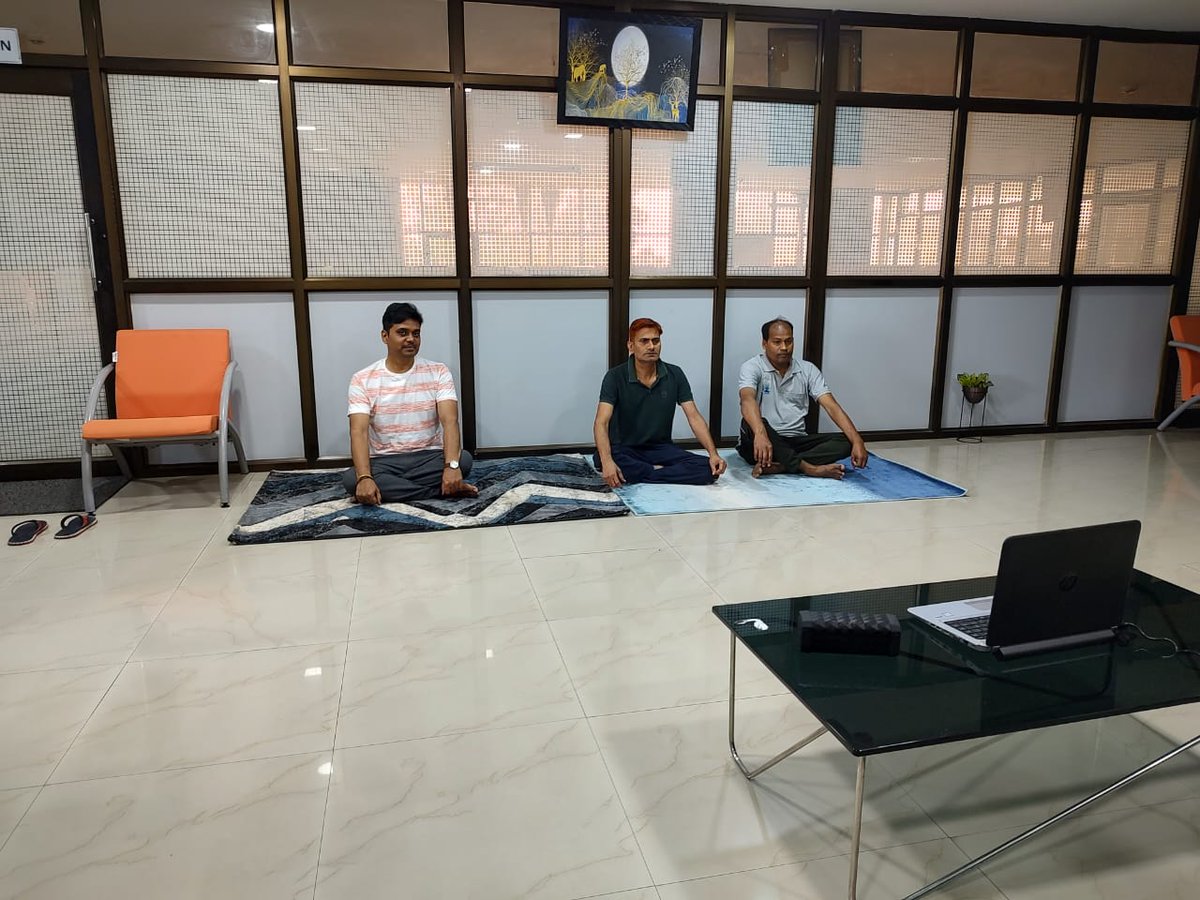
(376,178)
(879,348)
(1008,333)
(686,318)
(1131,192)
(200,166)
(745,312)
(519,404)
(769,185)
(266,387)
(346,330)
(1014,193)
(674,198)
(538,190)
(889,191)
(1115,340)
(1193,306)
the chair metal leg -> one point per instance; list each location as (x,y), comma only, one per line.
(223,470)
(860,784)
(1183,407)
(89,493)
(122,462)
(243,465)
(751,774)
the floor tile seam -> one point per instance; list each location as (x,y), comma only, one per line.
(599,750)
(336,720)
(822,857)
(21,818)
(647,709)
(82,725)
(185,768)
(235,650)
(561,720)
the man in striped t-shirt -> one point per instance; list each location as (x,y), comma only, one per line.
(404,436)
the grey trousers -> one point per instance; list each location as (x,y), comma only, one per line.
(408,476)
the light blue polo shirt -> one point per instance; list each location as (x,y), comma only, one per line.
(783,400)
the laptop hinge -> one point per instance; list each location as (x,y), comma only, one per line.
(1012,651)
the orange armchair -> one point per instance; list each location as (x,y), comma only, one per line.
(172,386)
(1186,331)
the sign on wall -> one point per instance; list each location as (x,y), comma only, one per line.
(10,46)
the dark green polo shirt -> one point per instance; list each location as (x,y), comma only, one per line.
(643,415)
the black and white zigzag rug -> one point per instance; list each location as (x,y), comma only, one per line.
(307,505)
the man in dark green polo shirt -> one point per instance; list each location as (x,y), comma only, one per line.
(633,420)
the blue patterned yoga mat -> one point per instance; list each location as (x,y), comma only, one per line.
(882,479)
(302,506)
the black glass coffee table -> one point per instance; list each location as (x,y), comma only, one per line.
(938,690)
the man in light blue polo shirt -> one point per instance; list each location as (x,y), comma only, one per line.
(774,389)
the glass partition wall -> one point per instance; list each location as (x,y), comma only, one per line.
(920,196)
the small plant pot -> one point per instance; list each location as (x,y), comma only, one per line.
(974,394)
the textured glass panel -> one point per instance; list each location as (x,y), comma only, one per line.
(570,330)
(1114,351)
(375,166)
(769,183)
(889,190)
(1025,66)
(538,191)
(232,30)
(745,312)
(380,34)
(266,386)
(200,168)
(1131,187)
(898,60)
(47,312)
(1008,333)
(674,198)
(770,54)
(512,40)
(686,318)
(1145,73)
(1193,307)
(1014,193)
(45,26)
(710,52)
(878,356)
(345,338)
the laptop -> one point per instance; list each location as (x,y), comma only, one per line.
(1054,590)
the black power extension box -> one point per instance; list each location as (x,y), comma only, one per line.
(849,632)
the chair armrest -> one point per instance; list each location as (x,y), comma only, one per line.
(89,411)
(226,390)
(1195,348)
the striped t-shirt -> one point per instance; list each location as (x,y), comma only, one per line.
(403,408)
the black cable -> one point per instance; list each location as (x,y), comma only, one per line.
(1176,648)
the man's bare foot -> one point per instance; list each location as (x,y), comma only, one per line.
(464,490)
(833,470)
(759,470)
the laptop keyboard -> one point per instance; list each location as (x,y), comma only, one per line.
(976,627)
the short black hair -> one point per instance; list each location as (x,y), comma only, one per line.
(778,320)
(401,312)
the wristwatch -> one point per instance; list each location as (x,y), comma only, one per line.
(453,464)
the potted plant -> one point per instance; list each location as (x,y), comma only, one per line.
(974,385)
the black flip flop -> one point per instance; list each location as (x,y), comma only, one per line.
(73,526)
(25,532)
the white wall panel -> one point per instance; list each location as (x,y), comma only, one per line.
(1115,340)
(1008,333)
(745,312)
(266,388)
(686,318)
(539,360)
(879,347)
(346,330)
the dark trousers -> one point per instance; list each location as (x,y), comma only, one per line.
(408,476)
(678,466)
(790,452)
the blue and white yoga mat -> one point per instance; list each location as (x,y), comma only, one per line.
(882,479)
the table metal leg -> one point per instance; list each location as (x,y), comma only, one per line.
(856,834)
(733,751)
(996,851)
